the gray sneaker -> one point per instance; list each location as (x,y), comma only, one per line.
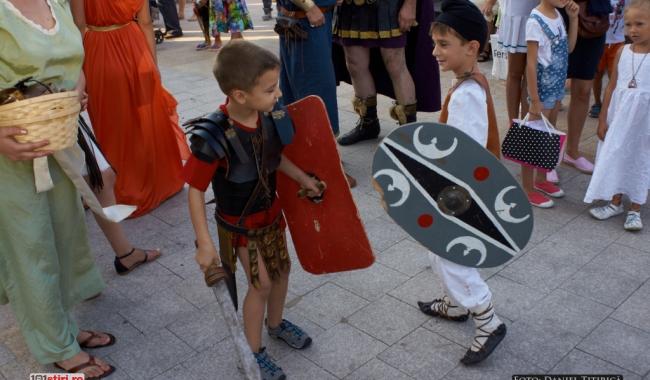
(268,369)
(290,333)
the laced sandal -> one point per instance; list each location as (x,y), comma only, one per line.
(90,363)
(122,270)
(440,308)
(493,338)
(95,335)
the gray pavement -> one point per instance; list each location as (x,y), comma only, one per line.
(575,301)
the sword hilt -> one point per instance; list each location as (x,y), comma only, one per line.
(214,273)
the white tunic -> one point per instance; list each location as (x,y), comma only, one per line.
(623,159)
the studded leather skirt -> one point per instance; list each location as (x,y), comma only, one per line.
(267,242)
(368,19)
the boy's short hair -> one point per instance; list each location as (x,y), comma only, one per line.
(445,29)
(240,64)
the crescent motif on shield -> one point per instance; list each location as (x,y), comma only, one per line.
(503,209)
(399,182)
(431,151)
(471,244)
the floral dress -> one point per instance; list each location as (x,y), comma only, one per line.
(229,16)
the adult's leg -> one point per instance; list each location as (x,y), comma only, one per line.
(168,11)
(51,227)
(577,114)
(181,9)
(395,62)
(113,231)
(516,70)
(357,60)
(598,86)
(236,36)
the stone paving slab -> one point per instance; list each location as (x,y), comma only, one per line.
(574,300)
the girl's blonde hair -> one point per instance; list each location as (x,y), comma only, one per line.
(638,4)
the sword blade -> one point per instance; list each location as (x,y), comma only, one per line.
(251,370)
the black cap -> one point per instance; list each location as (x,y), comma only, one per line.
(466,19)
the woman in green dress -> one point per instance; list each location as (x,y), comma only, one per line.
(45,262)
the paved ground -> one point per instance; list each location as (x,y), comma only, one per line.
(574,302)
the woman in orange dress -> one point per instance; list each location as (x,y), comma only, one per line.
(133,116)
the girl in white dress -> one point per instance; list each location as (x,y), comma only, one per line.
(623,157)
(512,37)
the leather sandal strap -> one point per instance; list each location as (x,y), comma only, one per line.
(128,254)
(92,336)
(89,363)
(146,255)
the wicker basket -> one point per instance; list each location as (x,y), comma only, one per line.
(49,117)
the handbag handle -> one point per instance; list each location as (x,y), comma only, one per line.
(547,124)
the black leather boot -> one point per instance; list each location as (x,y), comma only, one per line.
(368,127)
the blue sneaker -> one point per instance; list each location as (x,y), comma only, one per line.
(595,110)
(290,333)
(268,369)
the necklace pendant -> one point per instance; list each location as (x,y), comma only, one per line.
(632,83)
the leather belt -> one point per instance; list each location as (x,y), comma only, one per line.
(106,28)
(303,14)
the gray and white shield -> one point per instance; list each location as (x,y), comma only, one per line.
(452,195)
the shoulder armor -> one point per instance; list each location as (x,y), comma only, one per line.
(207,140)
(283,123)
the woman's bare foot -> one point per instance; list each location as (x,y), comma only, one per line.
(99,368)
(99,340)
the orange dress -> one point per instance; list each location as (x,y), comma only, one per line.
(133,116)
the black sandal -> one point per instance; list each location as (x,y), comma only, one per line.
(485,56)
(122,270)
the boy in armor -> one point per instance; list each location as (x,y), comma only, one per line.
(238,149)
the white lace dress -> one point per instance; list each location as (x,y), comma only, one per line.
(512,27)
(623,159)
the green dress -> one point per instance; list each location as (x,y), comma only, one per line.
(45,262)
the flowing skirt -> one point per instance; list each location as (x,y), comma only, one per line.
(134,118)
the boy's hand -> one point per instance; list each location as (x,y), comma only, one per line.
(602,130)
(206,256)
(309,183)
(572,9)
(536,107)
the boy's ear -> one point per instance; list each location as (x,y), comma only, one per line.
(239,96)
(472,48)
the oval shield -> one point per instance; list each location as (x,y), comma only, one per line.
(452,195)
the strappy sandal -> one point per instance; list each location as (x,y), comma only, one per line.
(94,335)
(122,270)
(89,363)
(485,56)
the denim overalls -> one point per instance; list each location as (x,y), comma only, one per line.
(550,79)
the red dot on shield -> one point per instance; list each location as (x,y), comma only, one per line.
(481,173)
(425,220)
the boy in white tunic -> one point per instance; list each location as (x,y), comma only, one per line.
(459,34)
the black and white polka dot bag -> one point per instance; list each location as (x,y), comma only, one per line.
(529,144)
